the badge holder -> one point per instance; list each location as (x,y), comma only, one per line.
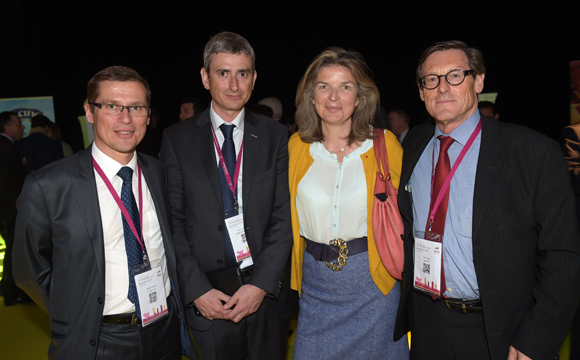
(428,255)
(151,292)
(235,226)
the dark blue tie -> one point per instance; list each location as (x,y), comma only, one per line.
(229,153)
(132,246)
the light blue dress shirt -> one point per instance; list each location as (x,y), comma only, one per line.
(460,277)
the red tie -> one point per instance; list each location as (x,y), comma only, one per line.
(441,171)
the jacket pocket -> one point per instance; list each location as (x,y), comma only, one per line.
(58,329)
(264,175)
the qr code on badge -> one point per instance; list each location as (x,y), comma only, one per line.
(427,268)
(152,297)
(243,237)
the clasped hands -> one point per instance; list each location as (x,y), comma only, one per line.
(247,300)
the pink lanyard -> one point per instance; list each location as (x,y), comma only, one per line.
(225,168)
(122,206)
(445,185)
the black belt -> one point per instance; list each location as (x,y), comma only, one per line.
(246,272)
(459,305)
(324,252)
(122,319)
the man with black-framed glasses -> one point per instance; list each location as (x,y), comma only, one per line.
(94,246)
(491,241)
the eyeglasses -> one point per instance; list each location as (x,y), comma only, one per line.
(114,109)
(454,77)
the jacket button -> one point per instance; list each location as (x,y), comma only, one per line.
(402,237)
(100,301)
(220,227)
(220,261)
(92,342)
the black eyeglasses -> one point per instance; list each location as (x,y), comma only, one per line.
(114,109)
(454,77)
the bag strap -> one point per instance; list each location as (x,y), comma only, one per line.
(381,153)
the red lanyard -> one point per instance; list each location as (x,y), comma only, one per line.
(451,173)
(122,206)
(225,168)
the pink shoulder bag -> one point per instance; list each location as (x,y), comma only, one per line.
(387,222)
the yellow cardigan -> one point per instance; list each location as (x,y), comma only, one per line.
(299,163)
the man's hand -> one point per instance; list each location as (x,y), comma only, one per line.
(210,305)
(516,355)
(247,300)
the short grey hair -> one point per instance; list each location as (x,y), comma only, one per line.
(227,42)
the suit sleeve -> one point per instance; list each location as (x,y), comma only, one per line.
(570,142)
(192,281)
(277,241)
(556,291)
(32,252)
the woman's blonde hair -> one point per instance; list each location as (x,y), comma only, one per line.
(307,118)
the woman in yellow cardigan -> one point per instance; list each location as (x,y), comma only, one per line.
(347,308)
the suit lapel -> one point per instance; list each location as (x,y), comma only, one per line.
(156,187)
(251,147)
(206,150)
(85,188)
(489,164)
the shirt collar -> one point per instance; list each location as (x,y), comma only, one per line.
(111,167)
(216,120)
(463,132)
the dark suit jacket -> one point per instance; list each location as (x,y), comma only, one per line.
(198,218)
(59,257)
(525,239)
(11,179)
(39,150)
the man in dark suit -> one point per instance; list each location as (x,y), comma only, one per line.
(207,202)
(37,148)
(11,180)
(511,256)
(82,237)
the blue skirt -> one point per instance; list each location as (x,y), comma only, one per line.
(344,315)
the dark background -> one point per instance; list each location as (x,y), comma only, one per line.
(52,49)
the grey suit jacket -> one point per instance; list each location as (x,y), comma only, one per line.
(526,245)
(198,218)
(58,252)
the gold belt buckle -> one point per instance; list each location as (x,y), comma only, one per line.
(342,255)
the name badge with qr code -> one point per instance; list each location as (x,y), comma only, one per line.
(152,298)
(235,226)
(428,255)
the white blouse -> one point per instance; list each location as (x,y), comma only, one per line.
(332,198)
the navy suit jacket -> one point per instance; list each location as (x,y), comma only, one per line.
(39,150)
(198,217)
(11,179)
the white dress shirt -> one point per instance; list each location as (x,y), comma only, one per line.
(332,198)
(116,271)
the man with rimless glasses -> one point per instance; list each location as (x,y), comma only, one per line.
(492,250)
(93,239)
